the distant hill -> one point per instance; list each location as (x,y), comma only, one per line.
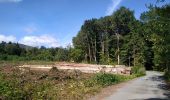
(20,45)
(25,46)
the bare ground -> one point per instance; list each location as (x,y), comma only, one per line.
(86,68)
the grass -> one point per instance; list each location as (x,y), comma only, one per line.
(55,84)
(105,79)
(138,71)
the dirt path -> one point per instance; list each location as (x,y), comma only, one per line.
(149,87)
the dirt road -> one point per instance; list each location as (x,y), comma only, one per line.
(149,87)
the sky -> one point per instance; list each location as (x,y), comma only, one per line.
(53,23)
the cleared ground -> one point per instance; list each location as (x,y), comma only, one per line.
(149,87)
(86,68)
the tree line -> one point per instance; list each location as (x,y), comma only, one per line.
(14,51)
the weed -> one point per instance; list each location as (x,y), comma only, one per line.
(138,71)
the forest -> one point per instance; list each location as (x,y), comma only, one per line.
(143,42)
(116,39)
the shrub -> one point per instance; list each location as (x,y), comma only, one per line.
(104,79)
(138,71)
(167,75)
(77,55)
(105,60)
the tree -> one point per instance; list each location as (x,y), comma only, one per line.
(102,39)
(77,55)
(156,22)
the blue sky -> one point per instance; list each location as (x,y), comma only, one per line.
(54,22)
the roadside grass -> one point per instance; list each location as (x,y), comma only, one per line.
(55,84)
(138,71)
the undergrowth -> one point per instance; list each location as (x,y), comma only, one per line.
(138,71)
(55,84)
(167,76)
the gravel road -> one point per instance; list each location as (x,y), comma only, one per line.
(149,87)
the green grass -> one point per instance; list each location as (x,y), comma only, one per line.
(138,71)
(104,79)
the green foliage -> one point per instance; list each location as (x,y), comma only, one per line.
(62,54)
(8,91)
(105,60)
(97,37)
(138,70)
(104,79)
(143,42)
(77,55)
(16,52)
(167,75)
(156,24)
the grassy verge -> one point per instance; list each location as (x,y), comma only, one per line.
(138,71)
(167,76)
(55,85)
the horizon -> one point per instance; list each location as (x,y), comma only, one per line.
(54,23)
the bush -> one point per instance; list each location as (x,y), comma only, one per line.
(138,71)
(104,79)
(77,55)
(105,60)
(167,75)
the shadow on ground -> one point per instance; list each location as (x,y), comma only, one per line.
(163,86)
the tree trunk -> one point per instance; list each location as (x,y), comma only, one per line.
(95,49)
(129,61)
(102,43)
(89,48)
(134,56)
(107,46)
(118,57)
(90,57)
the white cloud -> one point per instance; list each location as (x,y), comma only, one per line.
(10,1)
(113,6)
(42,40)
(7,38)
(31,40)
